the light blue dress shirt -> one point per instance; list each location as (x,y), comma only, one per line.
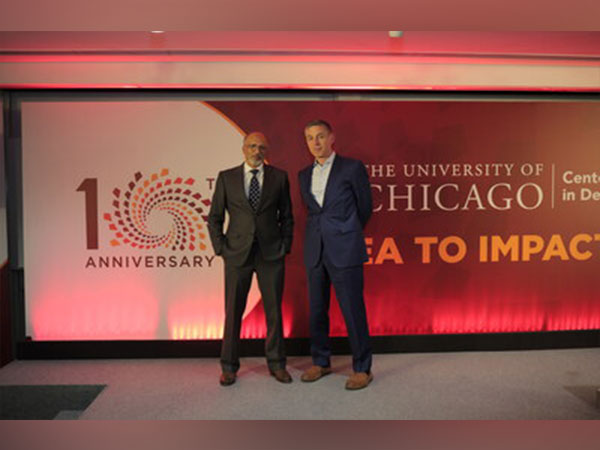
(320,175)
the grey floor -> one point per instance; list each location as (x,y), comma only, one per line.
(543,384)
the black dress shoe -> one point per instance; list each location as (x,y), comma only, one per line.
(281,375)
(227,378)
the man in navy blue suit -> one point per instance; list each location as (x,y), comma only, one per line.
(337,195)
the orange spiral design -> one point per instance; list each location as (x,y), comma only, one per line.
(158,193)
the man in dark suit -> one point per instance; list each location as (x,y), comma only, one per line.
(259,235)
(337,195)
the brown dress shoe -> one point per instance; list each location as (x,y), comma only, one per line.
(281,375)
(313,373)
(358,380)
(227,378)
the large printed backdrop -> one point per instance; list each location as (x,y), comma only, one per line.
(485,214)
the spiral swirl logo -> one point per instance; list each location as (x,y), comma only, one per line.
(159,211)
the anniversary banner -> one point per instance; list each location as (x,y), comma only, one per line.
(485,214)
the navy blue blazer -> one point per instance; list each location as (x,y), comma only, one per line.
(337,227)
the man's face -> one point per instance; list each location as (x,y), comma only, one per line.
(254,148)
(319,141)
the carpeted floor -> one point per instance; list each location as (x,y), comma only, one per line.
(543,384)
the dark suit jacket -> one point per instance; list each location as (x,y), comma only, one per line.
(337,227)
(272,224)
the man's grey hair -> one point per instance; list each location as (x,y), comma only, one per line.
(319,122)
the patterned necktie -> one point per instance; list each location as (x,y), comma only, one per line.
(254,191)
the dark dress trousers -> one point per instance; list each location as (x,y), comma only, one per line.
(255,241)
(334,253)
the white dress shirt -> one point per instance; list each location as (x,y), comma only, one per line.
(320,175)
(248,177)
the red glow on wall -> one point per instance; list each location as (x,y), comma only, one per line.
(124,310)
(575,317)
(198,317)
(195,317)
(491,316)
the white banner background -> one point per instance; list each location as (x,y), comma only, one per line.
(66,142)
